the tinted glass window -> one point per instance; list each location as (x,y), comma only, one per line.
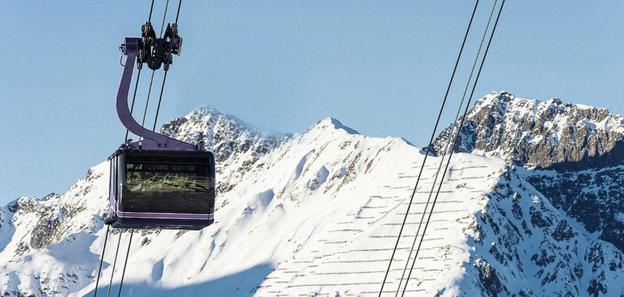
(167,184)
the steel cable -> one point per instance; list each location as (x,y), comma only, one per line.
(162,87)
(162,25)
(149,89)
(149,93)
(110,282)
(428,151)
(97,280)
(149,19)
(455,138)
(123,272)
(178,13)
(444,152)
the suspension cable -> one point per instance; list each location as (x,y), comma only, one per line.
(162,26)
(455,138)
(149,93)
(162,86)
(97,280)
(444,152)
(123,272)
(433,134)
(149,89)
(178,13)
(149,19)
(162,89)
(110,282)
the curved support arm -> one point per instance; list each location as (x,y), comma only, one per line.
(130,49)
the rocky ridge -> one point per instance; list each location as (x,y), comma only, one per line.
(543,134)
(237,146)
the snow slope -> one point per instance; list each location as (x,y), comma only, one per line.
(317,214)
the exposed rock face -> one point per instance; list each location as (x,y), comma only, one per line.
(236,145)
(562,136)
(528,244)
(489,279)
(540,133)
(593,197)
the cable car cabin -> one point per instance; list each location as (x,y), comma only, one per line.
(158,181)
(161,189)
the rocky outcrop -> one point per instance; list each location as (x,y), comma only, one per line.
(529,244)
(593,197)
(236,145)
(545,134)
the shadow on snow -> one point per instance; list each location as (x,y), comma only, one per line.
(242,283)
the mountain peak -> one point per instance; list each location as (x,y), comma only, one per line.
(503,99)
(235,144)
(334,124)
(540,133)
(213,115)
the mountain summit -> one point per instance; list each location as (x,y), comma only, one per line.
(317,214)
(545,134)
(235,144)
(333,124)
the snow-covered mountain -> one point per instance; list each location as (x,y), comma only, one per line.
(531,206)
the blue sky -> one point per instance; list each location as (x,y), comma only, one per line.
(380,67)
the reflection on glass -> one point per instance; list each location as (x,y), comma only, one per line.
(165,178)
(167,186)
